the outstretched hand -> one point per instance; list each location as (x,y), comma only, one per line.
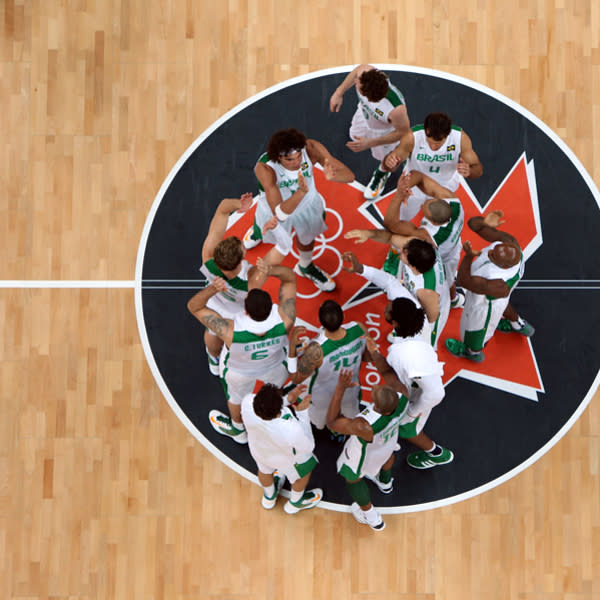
(372,345)
(329,170)
(245,202)
(403,190)
(270,224)
(463,167)
(302,185)
(345,379)
(360,235)
(359,144)
(391,161)
(297,333)
(494,219)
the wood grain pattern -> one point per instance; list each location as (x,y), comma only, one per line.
(103,493)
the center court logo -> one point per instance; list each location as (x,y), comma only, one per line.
(484,413)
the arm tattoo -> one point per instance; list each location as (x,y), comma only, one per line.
(215,323)
(288,308)
(310,359)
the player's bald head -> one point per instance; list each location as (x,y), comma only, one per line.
(505,255)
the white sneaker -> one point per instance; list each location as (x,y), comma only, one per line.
(223,425)
(459,300)
(376,184)
(321,279)
(378,524)
(278,481)
(386,488)
(309,499)
(248,241)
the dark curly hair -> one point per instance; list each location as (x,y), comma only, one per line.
(283,141)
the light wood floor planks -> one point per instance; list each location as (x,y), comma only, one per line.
(103,493)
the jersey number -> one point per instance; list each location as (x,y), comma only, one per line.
(434,169)
(259,355)
(345,362)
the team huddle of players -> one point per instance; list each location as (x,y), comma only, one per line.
(250,339)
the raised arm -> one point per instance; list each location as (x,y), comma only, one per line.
(334,169)
(385,370)
(497,288)
(218,224)
(267,178)
(487,228)
(223,328)
(397,156)
(337,98)
(336,422)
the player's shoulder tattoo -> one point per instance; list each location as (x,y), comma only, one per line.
(215,323)
(311,359)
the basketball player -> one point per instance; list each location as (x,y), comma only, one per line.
(489,277)
(379,123)
(281,443)
(438,149)
(417,264)
(441,225)
(224,257)
(412,367)
(339,345)
(285,173)
(256,341)
(369,451)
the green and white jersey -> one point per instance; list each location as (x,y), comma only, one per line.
(231,301)
(257,346)
(287,181)
(434,279)
(376,114)
(359,457)
(337,354)
(439,164)
(447,236)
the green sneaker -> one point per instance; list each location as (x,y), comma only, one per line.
(505,327)
(376,184)
(310,499)
(278,481)
(424,460)
(459,349)
(223,425)
(323,281)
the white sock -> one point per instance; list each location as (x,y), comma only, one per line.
(239,426)
(296,496)
(305,258)
(269,490)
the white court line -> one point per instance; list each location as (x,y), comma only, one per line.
(68,284)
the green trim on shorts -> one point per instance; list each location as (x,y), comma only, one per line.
(348,474)
(305,468)
(408,430)
(392,262)
(474,339)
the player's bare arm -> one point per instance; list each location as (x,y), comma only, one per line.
(487,228)
(360,236)
(397,156)
(469,165)
(337,98)
(334,169)
(311,360)
(336,422)
(430,301)
(218,224)
(384,369)
(268,179)
(478,285)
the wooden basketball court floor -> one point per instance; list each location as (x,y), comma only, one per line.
(103,492)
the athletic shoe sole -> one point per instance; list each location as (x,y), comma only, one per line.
(327,286)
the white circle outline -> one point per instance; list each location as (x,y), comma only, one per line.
(271,90)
